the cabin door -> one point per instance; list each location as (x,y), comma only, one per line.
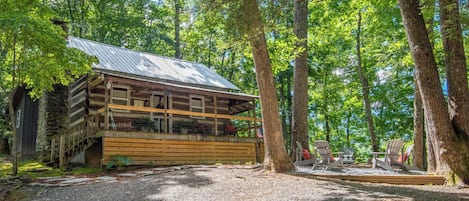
(157,101)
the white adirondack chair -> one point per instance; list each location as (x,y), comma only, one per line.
(393,147)
(328,160)
(300,161)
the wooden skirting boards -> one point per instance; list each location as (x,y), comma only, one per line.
(179,152)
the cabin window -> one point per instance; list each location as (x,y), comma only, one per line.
(120,95)
(18,118)
(197,105)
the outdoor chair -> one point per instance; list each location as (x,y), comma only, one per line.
(348,157)
(230,129)
(327,156)
(393,147)
(303,156)
(402,159)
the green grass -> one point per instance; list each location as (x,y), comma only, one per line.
(86,170)
(26,168)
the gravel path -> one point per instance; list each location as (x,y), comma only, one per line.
(231,183)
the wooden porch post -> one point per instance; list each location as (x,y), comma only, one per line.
(107,86)
(61,150)
(165,114)
(215,112)
(254,116)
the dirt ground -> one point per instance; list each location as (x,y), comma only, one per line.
(238,183)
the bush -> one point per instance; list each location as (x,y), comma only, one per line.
(118,161)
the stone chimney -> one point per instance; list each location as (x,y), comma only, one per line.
(62,24)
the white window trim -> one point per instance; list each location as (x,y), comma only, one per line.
(197,107)
(118,98)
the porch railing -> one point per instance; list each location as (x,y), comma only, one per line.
(252,121)
(77,139)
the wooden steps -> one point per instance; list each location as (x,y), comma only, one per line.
(391,179)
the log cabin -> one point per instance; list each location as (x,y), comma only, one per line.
(151,109)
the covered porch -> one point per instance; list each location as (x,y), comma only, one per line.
(165,124)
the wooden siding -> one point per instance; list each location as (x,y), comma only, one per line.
(178,152)
(141,92)
(77,94)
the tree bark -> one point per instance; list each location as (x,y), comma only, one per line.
(450,150)
(14,147)
(276,158)
(419,135)
(300,92)
(456,70)
(430,154)
(365,88)
(177,42)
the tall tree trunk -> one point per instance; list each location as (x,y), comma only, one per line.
(283,106)
(456,70)
(420,124)
(177,42)
(450,149)
(328,127)
(14,147)
(70,12)
(347,130)
(365,88)
(300,98)
(431,155)
(456,74)
(419,149)
(276,158)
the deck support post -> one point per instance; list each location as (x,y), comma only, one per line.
(61,150)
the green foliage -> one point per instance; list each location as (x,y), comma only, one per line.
(118,161)
(33,50)
(5,127)
(144,124)
(211,34)
(30,168)
(85,170)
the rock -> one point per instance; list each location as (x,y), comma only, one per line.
(56,180)
(106,178)
(76,181)
(144,173)
(38,170)
(127,175)
(44,178)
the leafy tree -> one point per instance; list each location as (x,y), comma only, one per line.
(34,54)
(448,139)
(276,157)
(300,99)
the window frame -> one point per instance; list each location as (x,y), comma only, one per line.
(191,106)
(127,99)
(18,118)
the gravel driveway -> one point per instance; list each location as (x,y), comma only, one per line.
(228,183)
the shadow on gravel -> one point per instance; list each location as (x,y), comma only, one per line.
(188,177)
(185,177)
(356,190)
(137,188)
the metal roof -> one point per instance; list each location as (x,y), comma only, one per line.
(150,66)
